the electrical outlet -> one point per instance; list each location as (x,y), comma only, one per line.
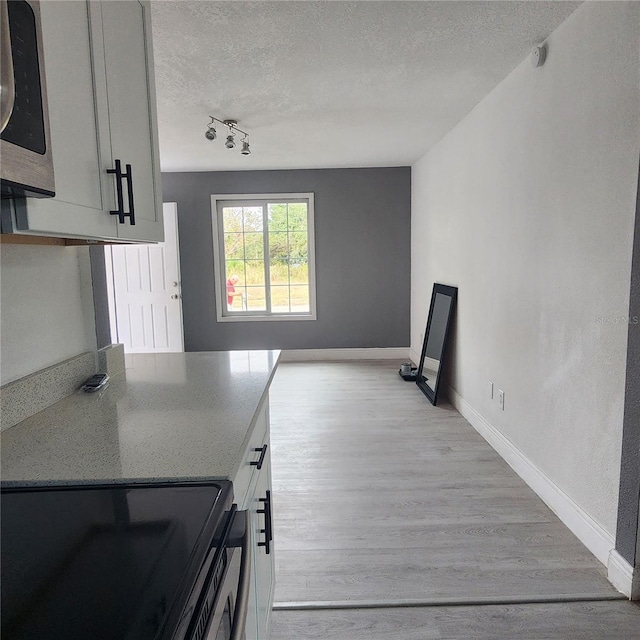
(501,398)
(490,390)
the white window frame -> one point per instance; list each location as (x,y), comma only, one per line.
(220,269)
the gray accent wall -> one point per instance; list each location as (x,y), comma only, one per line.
(362,247)
(627,534)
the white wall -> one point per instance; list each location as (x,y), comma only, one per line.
(528,207)
(46,307)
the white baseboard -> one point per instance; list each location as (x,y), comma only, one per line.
(599,542)
(623,576)
(327,355)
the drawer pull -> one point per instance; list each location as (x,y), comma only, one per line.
(268,522)
(263,452)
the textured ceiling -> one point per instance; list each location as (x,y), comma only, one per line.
(331,84)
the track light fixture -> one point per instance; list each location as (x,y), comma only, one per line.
(232,127)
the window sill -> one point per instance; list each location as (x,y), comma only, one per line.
(272,318)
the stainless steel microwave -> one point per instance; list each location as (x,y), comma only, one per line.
(26,162)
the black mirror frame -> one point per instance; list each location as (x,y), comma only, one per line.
(452,292)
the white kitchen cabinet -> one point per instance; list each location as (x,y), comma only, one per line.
(264,567)
(252,491)
(101,93)
(132,111)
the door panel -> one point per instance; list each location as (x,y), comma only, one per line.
(131,110)
(146,286)
(133,324)
(71,34)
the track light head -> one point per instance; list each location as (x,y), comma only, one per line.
(230,143)
(210,134)
(245,148)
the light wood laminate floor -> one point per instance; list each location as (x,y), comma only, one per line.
(380,497)
(616,620)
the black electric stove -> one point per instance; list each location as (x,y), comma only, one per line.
(105,562)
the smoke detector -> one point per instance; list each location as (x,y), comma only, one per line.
(538,56)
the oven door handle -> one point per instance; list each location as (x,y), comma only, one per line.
(242,599)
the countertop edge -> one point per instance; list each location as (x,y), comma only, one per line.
(95,482)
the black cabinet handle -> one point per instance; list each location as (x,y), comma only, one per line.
(119,196)
(120,212)
(259,462)
(268,523)
(129,176)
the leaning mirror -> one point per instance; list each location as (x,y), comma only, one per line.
(443,302)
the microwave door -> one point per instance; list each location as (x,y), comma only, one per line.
(25,140)
(7,84)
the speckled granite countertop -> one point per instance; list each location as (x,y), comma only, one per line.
(181,416)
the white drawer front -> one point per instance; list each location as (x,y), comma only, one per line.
(259,438)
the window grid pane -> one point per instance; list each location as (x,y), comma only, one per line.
(232,218)
(253,246)
(299,296)
(252,219)
(297,216)
(233,246)
(233,302)
(256,299)
(280,299)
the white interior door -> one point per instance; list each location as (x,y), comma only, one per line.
(147,301)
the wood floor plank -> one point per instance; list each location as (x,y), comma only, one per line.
(408,574)
(565,621)
(544,540)
(377,493)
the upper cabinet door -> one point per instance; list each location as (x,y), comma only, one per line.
(99,66)
(132,113)
(79,129)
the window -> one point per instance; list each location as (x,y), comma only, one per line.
(265,256)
